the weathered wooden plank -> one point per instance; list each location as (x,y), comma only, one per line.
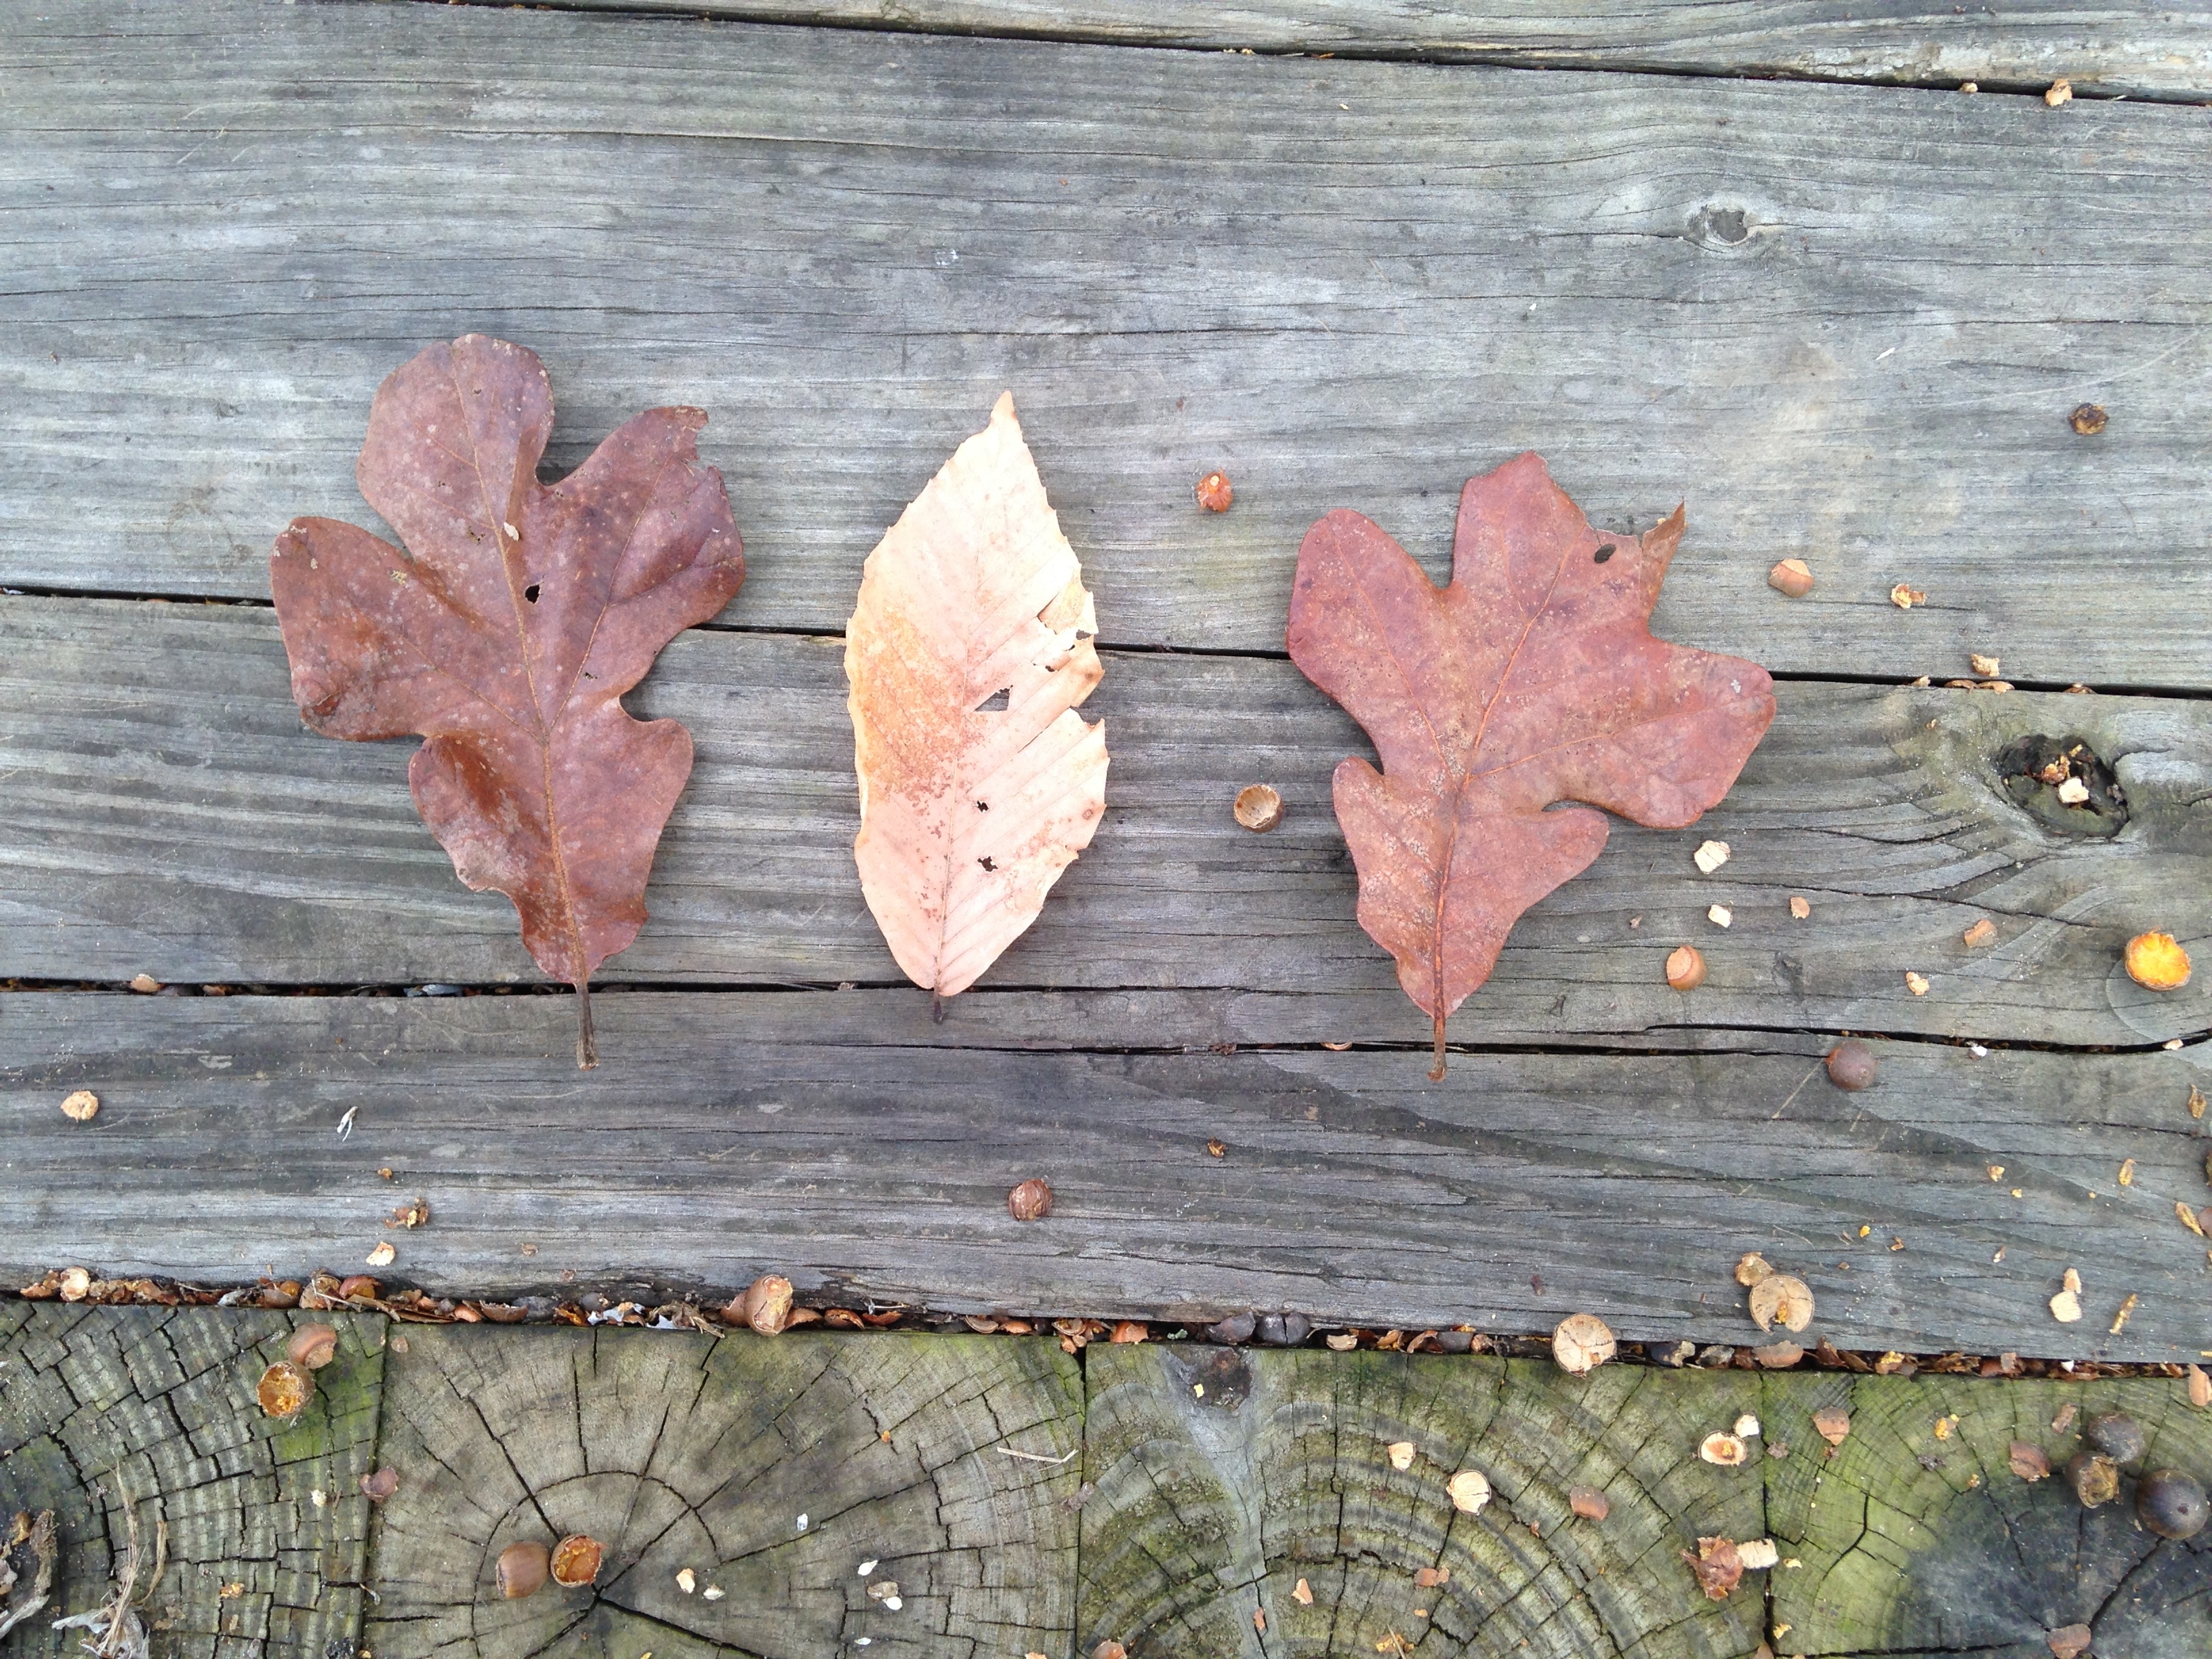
(845,1139)
(168,814)
(773,1471)
(1225,1479)
(2143,54)
(149,1413)
(1846,322)
(1915,1540)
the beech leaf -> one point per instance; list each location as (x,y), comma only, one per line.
(506,631)
(1532,678)
(967,653)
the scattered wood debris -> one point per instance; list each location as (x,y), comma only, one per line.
(1302,1593)
(2066,1306)
(1711,855)
(2120,1319)
(1905,598)
(1720,915)
(1986,666)
(1402,1454)
(411,1215)
(1800,906)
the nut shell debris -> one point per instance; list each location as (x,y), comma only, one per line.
(1726,1450)
(313,1345)
(1588,1502)
(1782,1298)
(575,1561)
(2095,1479)
(2156,962)
(1258,808)
(1214,493)
(1791,578)
(1029,1202)
(1581,1344)
(1718,1568)
(1751,1266)
(2066,1306)
(284,1389)
(1469,1490)
(2087,419)
(1711,855)
(81,1106)
(1685,968)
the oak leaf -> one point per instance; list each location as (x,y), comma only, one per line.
(1532,678)
(967,653)
(505,631)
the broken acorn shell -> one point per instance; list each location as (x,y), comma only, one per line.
(2156,962)
(1852,1065)
(1213,492)
(521,1570)
(575,1560)
(1792,578)
(1581,1344)
(2095,1480)
(81,1106)
(1783,1298)
(313,1345)
(1258,808)
(763,1306)
(1029,1202)
(284,1389)
(1685,968)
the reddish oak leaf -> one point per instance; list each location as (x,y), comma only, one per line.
(506,631)
(1532,678)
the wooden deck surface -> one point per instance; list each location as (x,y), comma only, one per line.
(1847,322)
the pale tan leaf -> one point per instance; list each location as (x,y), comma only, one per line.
(968,811)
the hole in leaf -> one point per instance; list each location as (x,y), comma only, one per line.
(998,702)
(987,863)
(1606,552)
(530,592)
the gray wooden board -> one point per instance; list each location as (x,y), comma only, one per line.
(2139,51)
(1844,323)
(260,1526)
(773,1471)
(845,1139)
(167,813)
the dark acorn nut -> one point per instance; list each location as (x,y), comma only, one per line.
(1233,1331)
(1852,1065)
(2171,1505)
(521,1570)
(2116,1435)
(575,1561)
(2095,1480)
(285,1389)
(1030,1201)
(313,1345)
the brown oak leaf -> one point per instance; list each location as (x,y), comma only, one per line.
(968,652)
(505,631)
(1532,678)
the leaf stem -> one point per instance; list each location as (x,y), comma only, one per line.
(587,1049)
(1437,1072)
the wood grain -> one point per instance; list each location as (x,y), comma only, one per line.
(1225,1481)
(846,1140)
(168,814)
(2151,52)
(772,1469)
(1846,322)
(1915,1541)
(103,1409)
